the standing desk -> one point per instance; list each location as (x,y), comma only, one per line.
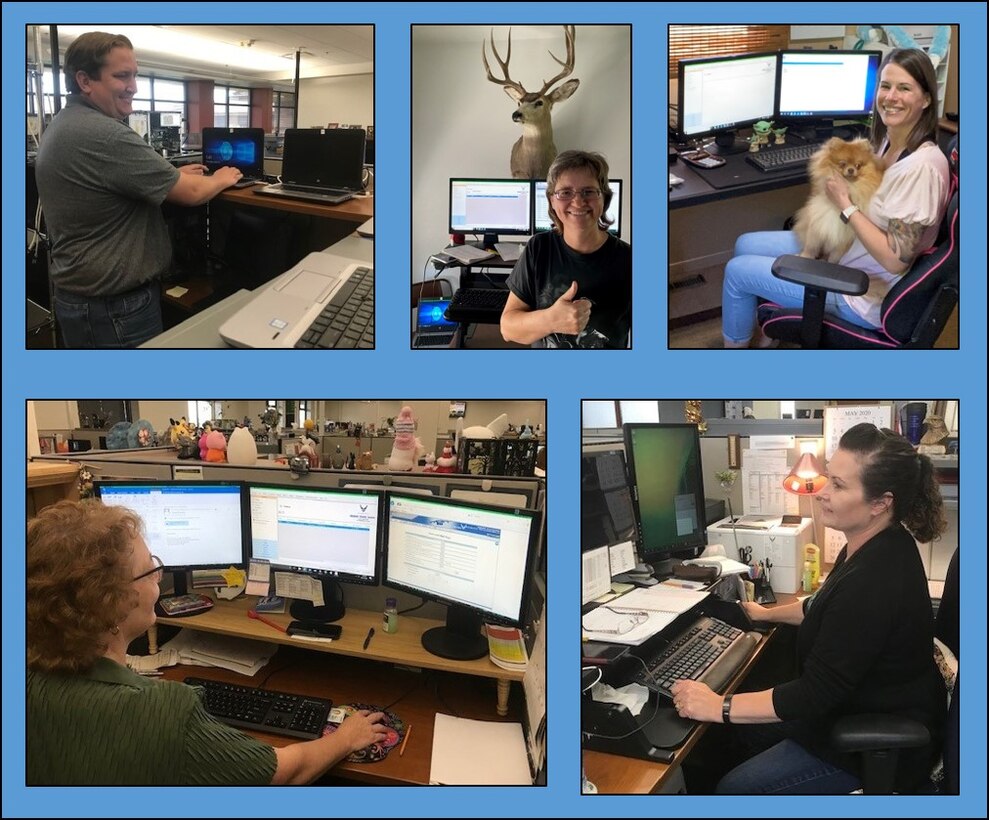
(356,210)
(471,276)
(616,774)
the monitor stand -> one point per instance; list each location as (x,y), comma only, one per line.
(727,143)
(489,241)
(461,639)
(333,608)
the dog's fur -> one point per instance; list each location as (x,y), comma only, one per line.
(818,224)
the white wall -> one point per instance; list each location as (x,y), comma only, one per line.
(462,123)
(347,100)
(56,415)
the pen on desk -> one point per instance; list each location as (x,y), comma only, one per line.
(252,613)
(370,634)
(401,749)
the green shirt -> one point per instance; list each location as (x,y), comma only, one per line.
(111,726)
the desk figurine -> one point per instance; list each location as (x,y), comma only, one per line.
(365,461)
(760,135)
(216,447)
(447,462)
(779,136)
(242,449)
(338,460)
(407,449)
(430,465)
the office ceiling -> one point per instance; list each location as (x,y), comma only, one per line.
(258,54)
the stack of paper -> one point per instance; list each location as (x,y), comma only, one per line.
(653,608)
(499,758)
(506,647)
(236,654)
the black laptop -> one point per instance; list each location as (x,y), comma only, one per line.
(433,329)
(321,165)
(241,148)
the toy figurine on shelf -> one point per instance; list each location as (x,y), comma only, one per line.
(407,448)
(242,449)
(447,462)
(430,465)
(203,447)
(365,461)
(216,447)
(306,448)
(337,461)
(351,462)
(779,136)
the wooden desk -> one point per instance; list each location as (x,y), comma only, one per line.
(403,647)
(50,482)
(417,697)
(615,774)
(356,210)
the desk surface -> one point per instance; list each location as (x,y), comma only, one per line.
(404,647)
(359,209)
(616,774)
(695,190)
(416,697)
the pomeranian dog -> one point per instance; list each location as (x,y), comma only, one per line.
(818,224)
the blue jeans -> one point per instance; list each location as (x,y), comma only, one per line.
(749,277)
(125,320)
(781,765)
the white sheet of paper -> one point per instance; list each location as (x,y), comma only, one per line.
(622,557)
(595,574)
(503,762)
(258,578)
(763,472)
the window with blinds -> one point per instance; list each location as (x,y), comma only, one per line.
(714,41)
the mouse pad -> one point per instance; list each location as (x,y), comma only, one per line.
(376,751)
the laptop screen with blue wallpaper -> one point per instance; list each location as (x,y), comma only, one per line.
(241,148)
(429,316)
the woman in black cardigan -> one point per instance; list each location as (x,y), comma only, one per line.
(865,639)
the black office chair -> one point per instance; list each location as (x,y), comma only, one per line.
(879,738)
(914,311)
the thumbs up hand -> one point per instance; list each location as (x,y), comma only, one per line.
(570,314)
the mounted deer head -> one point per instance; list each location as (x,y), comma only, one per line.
(535,150)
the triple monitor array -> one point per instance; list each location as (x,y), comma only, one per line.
(511,207)
(310,156)
(475,558)
(648,491)
(717,95)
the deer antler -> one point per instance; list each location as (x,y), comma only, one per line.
(508,81)
(569,33)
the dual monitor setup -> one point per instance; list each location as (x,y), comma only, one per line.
(334,157)
(476,558)
(511,207)
(649,492)
(718,95)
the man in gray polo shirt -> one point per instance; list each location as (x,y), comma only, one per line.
(101,188)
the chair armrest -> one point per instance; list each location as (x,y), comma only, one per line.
(863,733)
(816,273)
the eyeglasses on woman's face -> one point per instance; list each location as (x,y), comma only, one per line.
(568,194)
(157,571)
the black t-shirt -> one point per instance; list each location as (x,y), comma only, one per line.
(546,270)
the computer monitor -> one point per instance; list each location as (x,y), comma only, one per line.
(606,513)
(491,207)
(717,95)
(187,524)
(475,558)
(825,85)
(664,464)
(331,534)
(241,148)
(540,207)
(369,152)
(324,157)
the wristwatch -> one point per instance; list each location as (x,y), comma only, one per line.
(726,709)
(847,213)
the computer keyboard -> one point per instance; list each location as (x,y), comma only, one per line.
(347,321)
(791,158)
(709,650)
(483,305)
(264,710)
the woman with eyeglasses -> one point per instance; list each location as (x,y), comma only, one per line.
(572,286)
(865,640)
(92,585)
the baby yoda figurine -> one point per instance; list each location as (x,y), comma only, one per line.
(760,135)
